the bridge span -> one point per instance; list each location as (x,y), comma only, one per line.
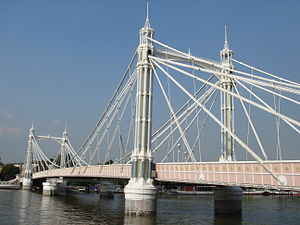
(244,174)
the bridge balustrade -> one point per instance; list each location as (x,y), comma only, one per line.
(109,171)
(233,173)
(246,174)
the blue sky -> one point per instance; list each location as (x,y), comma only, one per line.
(60,60)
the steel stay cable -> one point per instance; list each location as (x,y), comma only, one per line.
(111,100)
(164,127)
(175,118)
(215,64)
(115,112)
(203,125)
(277,121)
(115,131)
(117,103)
(37,159)
(120,100)
(252,126)
(206,97)
(252,81)
(41,152)
(197,122)
(180,137)
(261,71)
(249,112)
(256,157)
(265,104)
(233,94)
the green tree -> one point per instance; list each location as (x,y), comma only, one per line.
(108,162)
(9,172)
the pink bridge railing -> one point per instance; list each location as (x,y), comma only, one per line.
(245,174)
(109,171)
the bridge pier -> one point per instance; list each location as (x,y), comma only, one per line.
(49,188)
(228,200)
(54,186)
(140,197)
(137,220)
(26,184)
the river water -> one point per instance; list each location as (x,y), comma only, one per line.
(24,207)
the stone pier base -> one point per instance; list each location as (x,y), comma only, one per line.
(140,220)
(27,184)
(228,200)
(140,197)
(53,187)
(49,188)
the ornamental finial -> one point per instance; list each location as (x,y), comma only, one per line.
(226,46)
(147,22)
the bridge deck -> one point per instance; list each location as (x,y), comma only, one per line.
(245,174)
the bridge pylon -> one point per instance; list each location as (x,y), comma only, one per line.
(27,179)
(63,152)
(227,107)
(140,193)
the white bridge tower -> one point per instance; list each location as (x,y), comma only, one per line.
(140,193)
(227,108)
(27,179)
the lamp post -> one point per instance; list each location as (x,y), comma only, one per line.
(178,153)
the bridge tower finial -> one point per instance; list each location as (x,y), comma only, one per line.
(32,126)
(226,46)
(226,53)
(66,129)
(147,22)
(147,9)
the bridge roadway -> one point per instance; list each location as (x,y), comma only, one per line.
(243,173)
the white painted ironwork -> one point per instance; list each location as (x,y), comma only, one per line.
(123,134)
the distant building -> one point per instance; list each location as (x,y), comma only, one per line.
(18,165)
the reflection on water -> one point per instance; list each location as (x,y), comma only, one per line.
(223,220)
(24,207)
(139,220)
(82,209)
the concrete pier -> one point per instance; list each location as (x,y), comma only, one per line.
(27,184)
(53,187)
(138,220)
(140,197)
(228,200)
(49,188)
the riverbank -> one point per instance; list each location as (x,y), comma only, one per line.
(9,186)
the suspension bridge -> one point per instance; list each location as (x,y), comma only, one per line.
(169,111)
